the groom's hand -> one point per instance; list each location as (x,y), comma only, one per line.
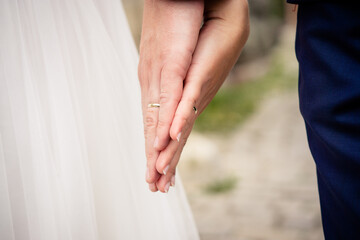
(169,37)
(222,37)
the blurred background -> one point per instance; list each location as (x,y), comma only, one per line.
(246,168)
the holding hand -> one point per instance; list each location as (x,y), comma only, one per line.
(222,37)
(169,37)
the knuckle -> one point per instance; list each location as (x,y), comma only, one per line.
(149,122)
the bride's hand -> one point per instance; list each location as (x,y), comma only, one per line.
(222,37)
(169,36)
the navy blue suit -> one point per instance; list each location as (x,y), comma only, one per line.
(328,51)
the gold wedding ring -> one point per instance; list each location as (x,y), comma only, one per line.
(157,105)
(154,105)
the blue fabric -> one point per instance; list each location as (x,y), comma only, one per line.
(308,1)
(328,51)
(303,1)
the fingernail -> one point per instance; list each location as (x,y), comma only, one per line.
(167,186)
(172,183)
(178,137)
(156,142)
(147,175)
(166,169)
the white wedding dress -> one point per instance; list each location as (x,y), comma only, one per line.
(72,160)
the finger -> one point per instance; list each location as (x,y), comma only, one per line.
(150,89)
(165,181)
(150,124)
(171,85)
(186,112)
(163,163)
(165,157)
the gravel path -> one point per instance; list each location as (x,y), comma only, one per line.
(265,172)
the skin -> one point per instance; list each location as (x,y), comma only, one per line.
(208,53)
(169,37)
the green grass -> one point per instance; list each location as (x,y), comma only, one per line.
(221,185)
(234,104)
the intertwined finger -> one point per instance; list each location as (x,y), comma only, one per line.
(165,157)
(172,156)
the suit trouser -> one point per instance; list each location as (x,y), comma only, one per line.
(328,51)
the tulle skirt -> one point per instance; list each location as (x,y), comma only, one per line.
(72,162)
